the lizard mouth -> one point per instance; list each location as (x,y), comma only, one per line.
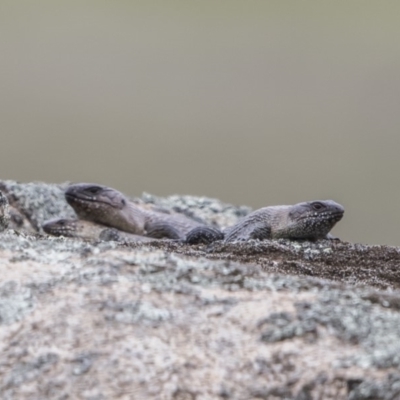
(336,216)
(333,216)
(57,230)
(79,198)
(83,195)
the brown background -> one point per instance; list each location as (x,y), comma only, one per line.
(253,102)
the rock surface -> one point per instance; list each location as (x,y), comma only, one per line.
(256,320)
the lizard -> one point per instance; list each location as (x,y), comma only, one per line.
(78,228)
(310,220)
(107,206)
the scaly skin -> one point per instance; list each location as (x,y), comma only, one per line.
(87,230)
(109,207)
(203,235)
(311,220)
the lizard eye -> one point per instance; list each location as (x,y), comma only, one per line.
(123,202)
(93,189)
(317,206)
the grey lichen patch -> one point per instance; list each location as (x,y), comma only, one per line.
(23,372)
(15,302)
(173,272)
(82,363)
(281,326)
(211,211)
(389,389)
(38,201)
(356,321)
(42,249)
(4,212)
(386,300)
(136,312)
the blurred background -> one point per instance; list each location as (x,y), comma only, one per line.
(252,102)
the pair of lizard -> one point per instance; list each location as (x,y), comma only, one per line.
(106,214)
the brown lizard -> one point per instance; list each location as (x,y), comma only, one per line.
(110,207)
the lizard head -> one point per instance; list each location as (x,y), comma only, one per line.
(314,219)
(92,202)
(60,227)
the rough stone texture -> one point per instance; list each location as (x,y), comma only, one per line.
(4,212)
(36,202)
(256,320)
(202,209)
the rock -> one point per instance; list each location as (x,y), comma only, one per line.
(4,212)
(260,320)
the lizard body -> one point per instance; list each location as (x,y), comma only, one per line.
(110,207)
(310,220)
